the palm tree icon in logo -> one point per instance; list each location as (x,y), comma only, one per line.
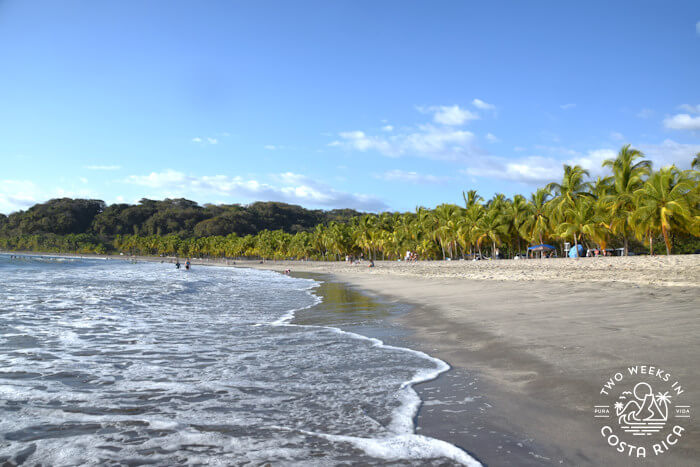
(646,413)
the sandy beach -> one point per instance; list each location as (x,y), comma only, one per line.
(543,336)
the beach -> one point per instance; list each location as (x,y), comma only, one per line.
(541,338)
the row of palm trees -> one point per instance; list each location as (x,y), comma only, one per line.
(633,202)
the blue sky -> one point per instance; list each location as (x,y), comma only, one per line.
(366,104)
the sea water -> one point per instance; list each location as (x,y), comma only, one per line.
(110,362)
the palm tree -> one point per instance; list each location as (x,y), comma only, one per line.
(628,176)
(444,227)
(468,227)
(515,212)
(537,219)
(570,189)
(471,198)
(583,220)
(667,200)
(492,226)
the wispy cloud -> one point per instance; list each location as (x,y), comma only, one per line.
(452,115)
(479,104)
(289,187)
(614,135)
(443,141)
(17,194)
(410,177)
(697,27)
(206,140)
(567,106)
(491,138)
(427,141)
(537,169)
(103,167)
(644,113)
(670,152)
(693,109)
(22,194)
(388,128)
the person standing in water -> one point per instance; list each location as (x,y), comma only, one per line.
(187,264)
(177,263)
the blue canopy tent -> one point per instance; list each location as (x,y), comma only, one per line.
(573,253)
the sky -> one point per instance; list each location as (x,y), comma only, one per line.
(372,105)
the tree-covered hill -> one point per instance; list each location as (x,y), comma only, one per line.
(170,216)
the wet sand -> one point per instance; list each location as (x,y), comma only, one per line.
(539,351)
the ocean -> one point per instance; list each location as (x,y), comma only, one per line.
(112,362)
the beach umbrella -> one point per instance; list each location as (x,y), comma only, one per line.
(542,247)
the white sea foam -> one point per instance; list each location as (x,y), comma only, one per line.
(114,361)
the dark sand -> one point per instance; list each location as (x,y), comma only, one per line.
(539,353)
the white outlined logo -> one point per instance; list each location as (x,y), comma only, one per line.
(642,411)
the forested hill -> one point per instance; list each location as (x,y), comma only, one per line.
(170,216)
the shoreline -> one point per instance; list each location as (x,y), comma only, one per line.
(661,270)
(542,349)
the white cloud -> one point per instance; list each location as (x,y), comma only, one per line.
(22,194)
(697,27)
(451,115)
(492,138)
(669,152)
(411,177)
(290,187)
(682,122)
(387,128)
(270,147)
(567,106)
(693,109)
(537,170)
(103,167)
(614,135)
(532,170)
(207,140)
(428,141)
(479,104)
(645,113)
(17,194)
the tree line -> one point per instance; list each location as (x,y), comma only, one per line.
(633,206)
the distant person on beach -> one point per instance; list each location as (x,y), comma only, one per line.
(187,264)
(371,263)
(177,264)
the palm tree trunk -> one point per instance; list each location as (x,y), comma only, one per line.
(651,244)
(624,237)
(667,241)
(576,245)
